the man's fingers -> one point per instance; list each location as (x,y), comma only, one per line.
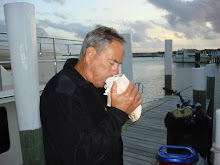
(138,99)
(129,89)
(114,88)
(128,100)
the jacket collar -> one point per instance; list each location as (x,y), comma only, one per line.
(73,74)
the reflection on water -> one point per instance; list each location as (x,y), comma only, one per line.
(150,72)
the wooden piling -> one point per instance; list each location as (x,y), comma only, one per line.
(197,60)
(210,72)
(199,86)
(168,65)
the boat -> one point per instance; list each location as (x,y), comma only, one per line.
(10,145)
(48,48)
(52,53)
(188,56)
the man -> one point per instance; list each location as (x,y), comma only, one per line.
(78,127)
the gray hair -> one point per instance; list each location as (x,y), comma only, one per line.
(100,38)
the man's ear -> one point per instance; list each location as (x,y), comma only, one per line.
(90,54)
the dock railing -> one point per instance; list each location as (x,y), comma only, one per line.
(55,43)
(49,50)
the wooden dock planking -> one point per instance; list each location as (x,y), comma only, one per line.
(143,138)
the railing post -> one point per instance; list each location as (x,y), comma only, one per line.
(55,57)
(1,84)
(40,50)
(68,48)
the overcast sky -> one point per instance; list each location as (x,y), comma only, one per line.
(189,23)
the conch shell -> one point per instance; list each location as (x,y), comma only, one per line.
(122,84)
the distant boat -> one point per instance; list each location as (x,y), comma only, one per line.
(188,56)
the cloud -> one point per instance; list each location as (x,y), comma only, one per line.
(138,29)
(177,35)
(57,1)
(78,29)
(49,14)
(142,40)
(191,17)
(60,15)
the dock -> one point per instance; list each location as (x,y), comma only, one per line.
(143,138)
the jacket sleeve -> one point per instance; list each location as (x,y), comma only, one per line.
(73,133)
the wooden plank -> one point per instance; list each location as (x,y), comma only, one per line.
(139,159)
(143,138)
(150,138)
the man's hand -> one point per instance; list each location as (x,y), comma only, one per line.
(127,101)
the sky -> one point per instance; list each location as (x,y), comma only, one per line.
(190,24)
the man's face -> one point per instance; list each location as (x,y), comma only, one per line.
(107,63)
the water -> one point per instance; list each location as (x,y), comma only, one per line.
(150,72)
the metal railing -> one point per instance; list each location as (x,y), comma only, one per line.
(55,42)
(47,55)
(140,87)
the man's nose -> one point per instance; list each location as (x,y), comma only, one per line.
(115,70)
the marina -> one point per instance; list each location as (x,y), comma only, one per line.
(26,75)
(188,56)
(143,138)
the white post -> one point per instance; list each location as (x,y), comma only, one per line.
(199,86)
(127,66)
(210,70)
(22,40)
(21,29)
(216,145)
(210,73)
(168,65)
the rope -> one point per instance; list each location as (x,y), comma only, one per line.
(147,111)
(185,89)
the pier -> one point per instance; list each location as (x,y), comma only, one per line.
(47,55)
(143,138)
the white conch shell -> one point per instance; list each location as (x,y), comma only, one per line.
(122,84)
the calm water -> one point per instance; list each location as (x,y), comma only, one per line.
(150,72)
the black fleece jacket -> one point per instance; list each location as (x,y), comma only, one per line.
(78,127)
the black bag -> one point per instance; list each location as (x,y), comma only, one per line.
(192,131)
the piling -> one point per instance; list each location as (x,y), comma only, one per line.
(199,86)
(197,60)
(127,66)
(210,72)
(216,146)
(21,30)
(168,65)
(1,85)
